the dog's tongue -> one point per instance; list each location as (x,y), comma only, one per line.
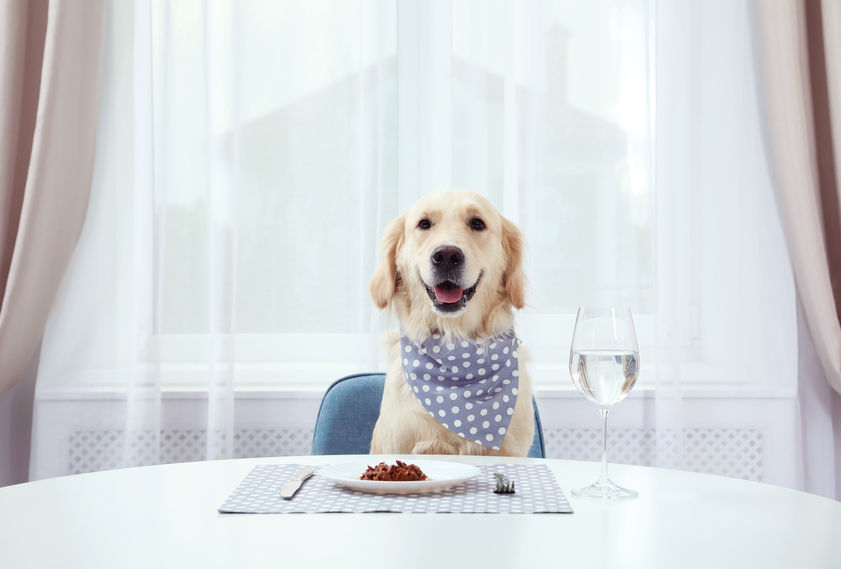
(448,294)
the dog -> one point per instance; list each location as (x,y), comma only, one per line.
(456,381)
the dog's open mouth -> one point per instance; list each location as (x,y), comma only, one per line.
(447,296)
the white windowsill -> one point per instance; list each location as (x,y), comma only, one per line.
(746,391)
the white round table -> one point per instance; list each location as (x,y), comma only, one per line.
(165,516)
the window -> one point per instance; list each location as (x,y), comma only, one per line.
(251,153)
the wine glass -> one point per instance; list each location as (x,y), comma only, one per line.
(603,364)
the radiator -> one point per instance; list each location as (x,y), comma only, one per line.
(736,453)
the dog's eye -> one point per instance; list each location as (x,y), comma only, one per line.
(424,224)
(477,224)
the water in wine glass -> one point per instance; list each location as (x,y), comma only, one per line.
(603,365)
(604,376)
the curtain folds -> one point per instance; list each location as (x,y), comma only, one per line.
(800,49)
(49,79)
(800,69)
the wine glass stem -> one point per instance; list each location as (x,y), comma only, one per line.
(604,480)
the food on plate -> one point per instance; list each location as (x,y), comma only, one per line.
(400,472)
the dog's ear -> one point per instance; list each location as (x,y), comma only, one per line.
(514,278)
(384,282)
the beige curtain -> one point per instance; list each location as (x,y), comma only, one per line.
(50,61)
(800,48)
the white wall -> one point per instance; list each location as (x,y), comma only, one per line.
(819,414)
(16,426)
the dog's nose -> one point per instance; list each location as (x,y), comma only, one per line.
(447,257)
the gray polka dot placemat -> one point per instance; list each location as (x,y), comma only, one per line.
(537,492)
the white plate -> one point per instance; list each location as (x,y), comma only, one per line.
(440,476)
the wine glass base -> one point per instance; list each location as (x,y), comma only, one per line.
(605,491)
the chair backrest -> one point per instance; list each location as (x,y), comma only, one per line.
(350,409)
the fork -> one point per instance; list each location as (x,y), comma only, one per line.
(503,485)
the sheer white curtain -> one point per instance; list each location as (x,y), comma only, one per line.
(251,153)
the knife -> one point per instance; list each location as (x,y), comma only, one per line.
(290,487)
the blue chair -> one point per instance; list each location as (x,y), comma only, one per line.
(350,409)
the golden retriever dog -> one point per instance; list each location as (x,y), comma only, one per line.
(452,272)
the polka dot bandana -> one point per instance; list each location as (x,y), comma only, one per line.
(469,387)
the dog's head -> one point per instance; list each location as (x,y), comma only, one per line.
(451,263)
